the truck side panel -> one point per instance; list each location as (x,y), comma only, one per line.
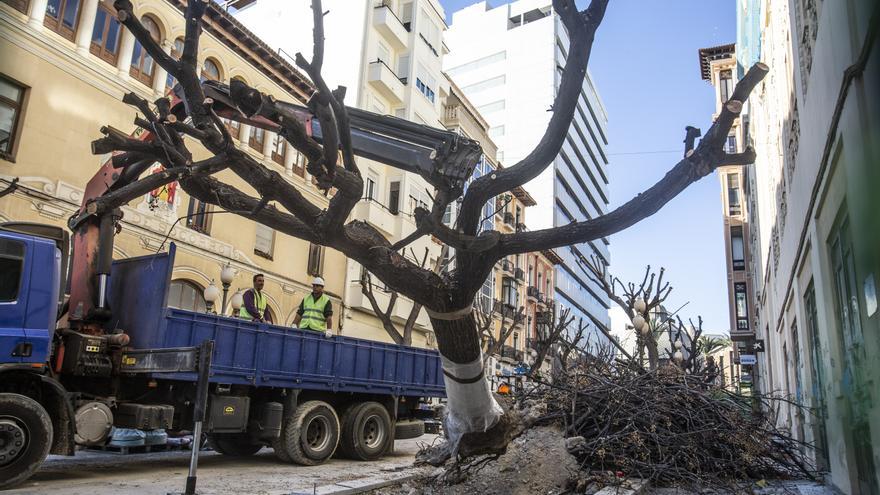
(262,355)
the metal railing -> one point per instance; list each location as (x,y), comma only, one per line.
(380,61)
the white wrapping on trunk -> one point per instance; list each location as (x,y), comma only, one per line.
(470,406)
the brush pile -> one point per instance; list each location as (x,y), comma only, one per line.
(667,427)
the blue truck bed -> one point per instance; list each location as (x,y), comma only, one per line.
(263,355)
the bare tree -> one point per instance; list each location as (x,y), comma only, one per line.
(475,421)
(511,318)
(652,291)
(368,289)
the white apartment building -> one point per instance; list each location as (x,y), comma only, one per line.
(388,54)
(813,207)
(507,60)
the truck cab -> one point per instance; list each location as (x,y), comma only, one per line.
(31,259)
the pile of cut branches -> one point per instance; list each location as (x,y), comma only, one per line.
(668,427)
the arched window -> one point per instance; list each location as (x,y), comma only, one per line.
(183,294)
(176,52)
(210,71)
(142,66)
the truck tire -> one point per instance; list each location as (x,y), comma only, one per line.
(311,434)
(409,428)
(366,431)
(234,444)
(25,438)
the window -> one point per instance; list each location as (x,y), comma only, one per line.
(425,89)
(394,197)
(11,267)
(257,137)
(383,54)
(491,107)
(62,16)
(742,306)
(725,84)
(11,105)
(279,149)
(176,52)
(19,5)
(183,294)
(429,32)
(316,260)
(403,67)
(142,65)
(509,292)
(730,146)
(733,204)
(210,70)
(264,245)
(737,247)
(105,35)
(370,189)
(299,164)
(198,217)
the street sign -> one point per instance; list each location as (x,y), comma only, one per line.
(758,346)
(747,359)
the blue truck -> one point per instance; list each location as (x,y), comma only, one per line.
(306,395)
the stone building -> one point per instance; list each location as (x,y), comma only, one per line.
(64,66)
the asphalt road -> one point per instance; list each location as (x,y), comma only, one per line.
(103,473)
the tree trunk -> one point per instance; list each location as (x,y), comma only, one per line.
(471,408)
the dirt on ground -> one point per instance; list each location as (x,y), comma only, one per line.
(535,463)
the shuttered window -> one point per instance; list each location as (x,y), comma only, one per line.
(264,244)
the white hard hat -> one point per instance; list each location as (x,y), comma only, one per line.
(318,281)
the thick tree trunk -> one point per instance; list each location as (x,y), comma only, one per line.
(471,408)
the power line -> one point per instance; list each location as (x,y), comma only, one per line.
(655,152)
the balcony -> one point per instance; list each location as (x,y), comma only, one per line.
(392,28)
(507,266)
(521,227)
(519,275)
(544,318)
(508,218)
(533,293)
(385,82)
(377,215)
(510,354)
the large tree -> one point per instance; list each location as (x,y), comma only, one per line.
(474,420)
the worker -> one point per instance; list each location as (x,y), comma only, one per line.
(254,307)
(315,311)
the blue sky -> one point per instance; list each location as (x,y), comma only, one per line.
(646,68)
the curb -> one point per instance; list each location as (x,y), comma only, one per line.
(360,485)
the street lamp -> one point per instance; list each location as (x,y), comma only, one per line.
(227,275)
(237,302)
(212,293)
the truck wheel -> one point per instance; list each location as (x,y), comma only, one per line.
(311,435)
(366,431)
(234,444)
(25,438)
(412,428)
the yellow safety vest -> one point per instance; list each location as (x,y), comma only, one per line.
(260,301)
(313,313)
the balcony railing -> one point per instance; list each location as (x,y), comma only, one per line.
(507,265)
(518,274)
(532,292)
(511,353)
(387,23)
(521,227)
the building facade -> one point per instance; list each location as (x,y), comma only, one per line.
(64,67)
(508,60)
(812,196)
(389,56)
(718,66)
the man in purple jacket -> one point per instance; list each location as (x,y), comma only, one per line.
(254,307)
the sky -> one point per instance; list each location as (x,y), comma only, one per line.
(645,65)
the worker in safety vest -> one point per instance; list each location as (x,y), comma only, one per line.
(315,312)
(254,307)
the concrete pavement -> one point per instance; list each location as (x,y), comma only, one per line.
(100,473)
